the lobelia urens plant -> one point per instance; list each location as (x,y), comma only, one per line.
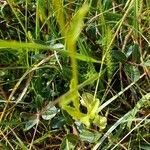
(71,31)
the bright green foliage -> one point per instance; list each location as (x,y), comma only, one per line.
(59,12)
(87,99)
(92,104)
(71,36)
(136,22)
(92,116)
(13,45)
(106,39)
(107,51)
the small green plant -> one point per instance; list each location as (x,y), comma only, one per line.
(91,116)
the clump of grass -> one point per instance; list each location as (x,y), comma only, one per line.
(74,75)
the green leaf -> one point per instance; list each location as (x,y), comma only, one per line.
(92,111)
(59,12)
(58,122)
(50,113)
(31,122)
(100,121)
(136,53)
(91,104)
(86,99)
(86,58)
(65,100)
(119,56)
(129,51)
(22,45)
(72,34)
(132,71)
(86,120)
(135,74)
(69,142)
(73,112)
(76,25)
(14,45)
(90,137)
